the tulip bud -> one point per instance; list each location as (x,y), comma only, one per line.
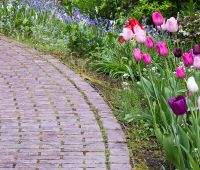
(146,58)
(172,25)
(157,18)
(187,59)
(178,105)
(196,63)
(137,54)
(162,48)
(149,42)
(177,52)
(192,85)
(127,34)
(180,72)
(140,35)
(133,22)
(196,49)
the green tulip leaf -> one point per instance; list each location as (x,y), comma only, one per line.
(194,165)
(148,85)
(183,137)
(182,91)
(171,149)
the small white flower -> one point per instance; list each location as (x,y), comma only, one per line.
(192,85)
(125,85)
(9,6)
(125,75)
(154,68)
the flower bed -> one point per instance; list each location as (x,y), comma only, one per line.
(166,70)
(170,85)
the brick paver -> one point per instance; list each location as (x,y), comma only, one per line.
(50,118)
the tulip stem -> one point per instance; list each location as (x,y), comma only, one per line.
(148,99)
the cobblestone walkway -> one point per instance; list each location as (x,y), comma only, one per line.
(51,119)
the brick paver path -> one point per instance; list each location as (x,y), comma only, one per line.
(51,119)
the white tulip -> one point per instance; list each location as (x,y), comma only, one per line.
(127,34)
(192,85)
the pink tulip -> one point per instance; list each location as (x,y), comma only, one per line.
(162,48)
(180,72)
(146,58)
(137,54)
(127,34)
(187,59)
(162,27)
(196,62)
(149,42)
(157,18)
(140,34)
(172,25)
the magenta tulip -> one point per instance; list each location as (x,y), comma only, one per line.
(187,59)
(157,18)
(137,54)
(172,25)
(180,72)
(146,58)
(178,105)
(149,42)
(196,63)
(162,48)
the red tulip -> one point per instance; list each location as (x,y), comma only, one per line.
(133,22)
(121,40)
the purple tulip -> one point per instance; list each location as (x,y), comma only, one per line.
(162,48)
(180,72)
(187,59)
(196,49)
(177,52)
(157,18)
(178,105)
(137,54)
(149,42)
(146,58)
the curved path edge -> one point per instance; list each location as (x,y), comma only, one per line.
(117,154)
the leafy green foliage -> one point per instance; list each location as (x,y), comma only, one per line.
(148,7)
(115,60)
